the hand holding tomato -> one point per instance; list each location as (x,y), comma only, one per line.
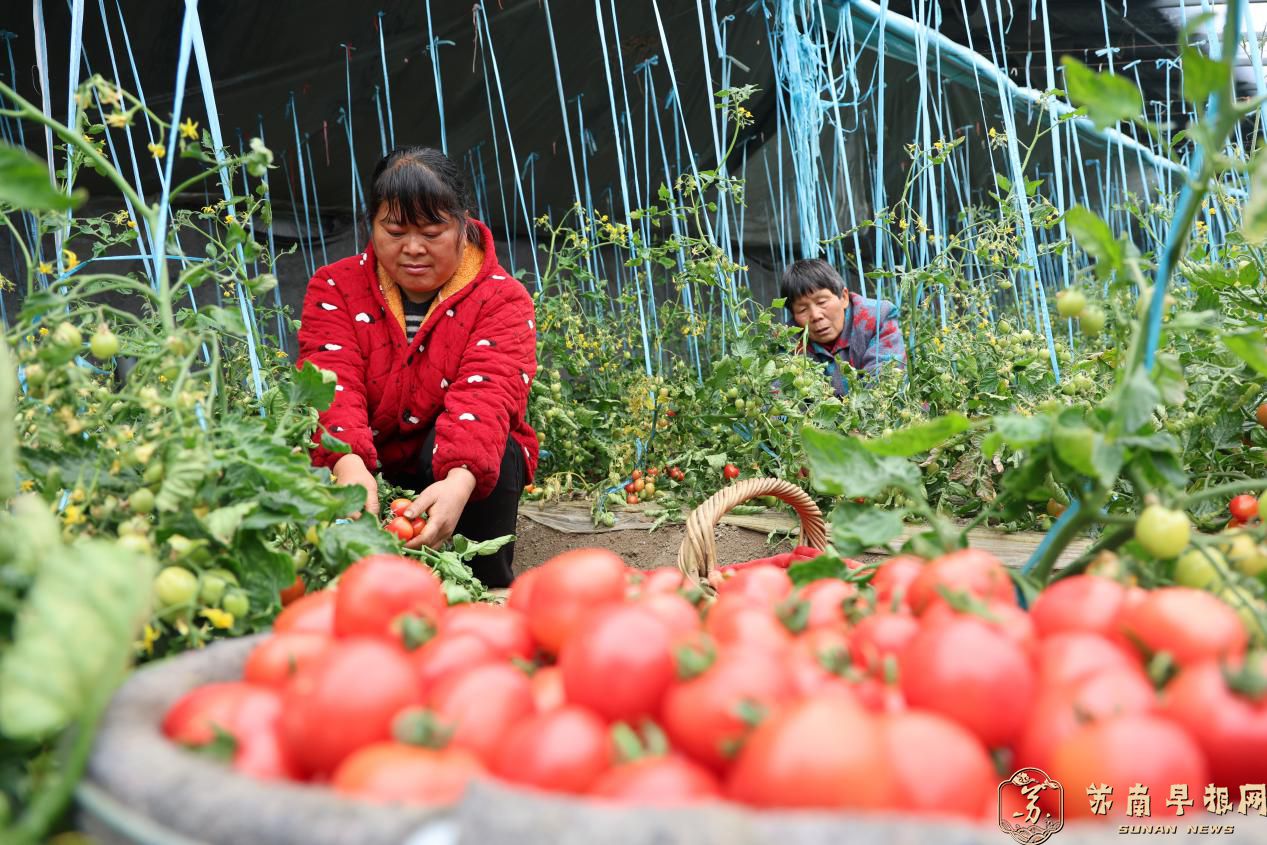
(443,502)
(350,469)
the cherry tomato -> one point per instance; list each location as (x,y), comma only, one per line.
(821,752)
(1162,532)
(391,772)
(417,524)
(1243,507)
(376,590)
(730,471)
(979,574)
(566,587)
(618,662)
(657,781)
(282,656)
(398,506)
(313,613)
(918,743)
(562,750)
(480,705)
(1191,625)
(294,591)
(636,475)
(175,586)
(502,627)
(360,685)
(632,499)
(1261,415)
(401,528)
(1230,726)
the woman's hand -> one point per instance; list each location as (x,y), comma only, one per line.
(350,469)
(443,503)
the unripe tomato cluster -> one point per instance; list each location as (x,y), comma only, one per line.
(916,690)
(641,486)
(1071,303)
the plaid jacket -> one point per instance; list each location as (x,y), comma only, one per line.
(870,338)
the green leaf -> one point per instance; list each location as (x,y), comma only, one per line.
(25,183)
(919,437)
(331,443)
(1020,432)
(856,528)
(1096,238)
(823,566)
(1250,348)
(1254,216)
(345,543)
(223,523)
(73,636)
(183,471)
(309,388)
(1137,399)
(1202,75)
(1170,379)
(1106,97)
(841,466)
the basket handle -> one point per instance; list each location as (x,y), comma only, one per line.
(698,555)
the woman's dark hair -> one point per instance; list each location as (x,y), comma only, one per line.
(809,275)
(423,185)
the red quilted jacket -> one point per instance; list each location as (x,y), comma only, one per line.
(468,370)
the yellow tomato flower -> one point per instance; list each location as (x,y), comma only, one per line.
(189,129)
(45,268)
(156,150)
(148,639)
(118,119)
(229,218)
(131,224)
(73,515)
(218,618)
(27,485)
(72,260)
(43,331)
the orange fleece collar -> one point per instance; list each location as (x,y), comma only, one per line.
(468,270)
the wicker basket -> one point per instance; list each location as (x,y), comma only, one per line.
(698,555)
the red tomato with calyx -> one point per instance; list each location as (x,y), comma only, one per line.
(1080,603)
(313,613)
(823,752)
(892,580)
(1230,726)
(563,750)
(979,574)
(1192,625)
(547,688)
(730,471)
(401,528)
(969,671)
(282,656)
(707,717)
(1243,507)
(480,705)
(618,662)
(738,620)
(826,598)
(662,579)
(378,589)
(767,585)
(346,701)
(660,781)
(1129,750)
(1004,617)
(677,614)
(501,626)
(295,591)
(398,506)
(881,636)
(521,590)
(567,587)
(233,707)
(448,653)
(392,772)
(878,695)
(1068,657)
(1059,711)
(919,743)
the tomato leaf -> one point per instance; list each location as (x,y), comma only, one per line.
(1107,97)
(1137,399)
(823,566)
(1096,239)
(919,437)
(183,471)
(1250,348)
(856,528)
(840,465)
(25,183)
(1202,75)
(347,542)
(309,388)
(223,523)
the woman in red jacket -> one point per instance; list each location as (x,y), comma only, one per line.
(434,345)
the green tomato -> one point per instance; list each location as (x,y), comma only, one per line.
(153,473)
(237,603)
(1163,532)
(137,543)
(68,336)
(141,501)
(1092,320)
(175,586)
(1070,302)
(104,343)
(1200,568)
(1247,556)
(212,590)
(35,375)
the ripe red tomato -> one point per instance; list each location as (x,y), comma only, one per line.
(822,752)
(547,688)
(704,716)
(737,620)
(481,704)
(359,686)
(1059,711)
(451,652)
(261,755)
(562,750)
(659,781)
(618,662)
(295,591)
(1261,415)
(569,585)
(377,589)
(1243,507)
(1004,617)
(391,772)
(234,707)
(418,523)
(282,656)
(1068,657)
(767,585)
(521,590)
(636,475)
(1230,726)
(972,571)
(878,695)
(662,579)
(881,636)
(1080,603)
(826,598)
(398,506)
(632,499)
(501,626)
(677,614)
(919,743)
(402,528)
(730,471)
(1192,625)
(314,613)
(1129,750)
(971,672)
(892,580)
